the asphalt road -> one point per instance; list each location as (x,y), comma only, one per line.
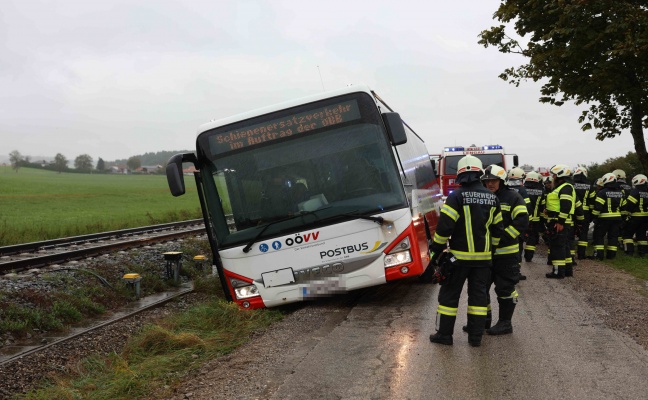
(380,349)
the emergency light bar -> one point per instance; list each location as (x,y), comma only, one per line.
(494,147)
(461,148)
(453,149)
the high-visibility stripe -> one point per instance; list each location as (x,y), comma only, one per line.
(512,231)
(519,210)
(450,212)
(469,234)
(440,239)
(531,248)
(505,207)
(513,295)
(487,242)
(512,249)
(471,256)
(450,311)
(476,310)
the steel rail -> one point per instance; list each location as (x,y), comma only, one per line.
(169,296)
(76,254)
(35,246)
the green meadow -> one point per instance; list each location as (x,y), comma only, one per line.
(39,205)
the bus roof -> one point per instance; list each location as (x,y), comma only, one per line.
(282,106)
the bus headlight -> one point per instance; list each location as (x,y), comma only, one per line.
(401,257)
(246,292)
(243,290)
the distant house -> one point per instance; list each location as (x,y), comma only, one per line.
(119,169)
(149,169)
(189,171)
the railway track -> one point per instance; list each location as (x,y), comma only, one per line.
(39,254)
(34,255)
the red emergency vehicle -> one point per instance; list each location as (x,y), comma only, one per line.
(446,162)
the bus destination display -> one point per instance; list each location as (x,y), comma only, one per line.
(284,127)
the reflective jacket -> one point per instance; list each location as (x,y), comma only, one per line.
(561,203)
(637,203)
(608,202)
(515,219)
(471,219)
(536,196)
(583,189)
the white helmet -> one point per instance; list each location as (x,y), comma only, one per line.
(516,173)
(547,179)
(581,170)
(607,178)
(533,177)
(469,164)
(494,171)
(619,173)
(639,180)
(560,170)
(599,182)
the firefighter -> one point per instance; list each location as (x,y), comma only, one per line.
(560,205)
(606,213)
(515,219)
(515,180)
(637,209)
(626,189)
(583,189)
(534,188)
(471,220)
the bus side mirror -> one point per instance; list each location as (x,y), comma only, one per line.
(174,172)
(516,161)
(395,128)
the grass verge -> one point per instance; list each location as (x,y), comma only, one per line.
(161,355)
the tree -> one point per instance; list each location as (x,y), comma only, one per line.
(589,52)
(16,159)
(101,165)
(83,163)
(133,163)
(60,162)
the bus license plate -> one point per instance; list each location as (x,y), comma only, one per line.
(322,288)
(278,278)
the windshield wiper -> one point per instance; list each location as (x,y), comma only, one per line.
(247,247)
(378,220)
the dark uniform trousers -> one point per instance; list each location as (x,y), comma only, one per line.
(606,227)
(479,280)
(557,248)
(636,228)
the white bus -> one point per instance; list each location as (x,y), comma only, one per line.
(316,196)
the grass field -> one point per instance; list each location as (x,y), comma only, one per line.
(39,205)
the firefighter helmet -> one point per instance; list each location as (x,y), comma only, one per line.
(608,178)
(547,179)
(532,177)
(516,173)
(639,180)
(560,170)
(619,173)
(581,170)
(469,164)
(599,182)
(494,171)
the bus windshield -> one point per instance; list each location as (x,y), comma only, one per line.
(281,184)
(486,159)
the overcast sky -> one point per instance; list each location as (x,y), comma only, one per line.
(119,78)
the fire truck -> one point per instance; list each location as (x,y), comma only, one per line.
(446,162)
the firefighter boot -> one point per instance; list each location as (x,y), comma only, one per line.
(528,255)
(569,270)
(629,248)
(445,327)
(487,324)
(503,325)
(475,329)
(557,273)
